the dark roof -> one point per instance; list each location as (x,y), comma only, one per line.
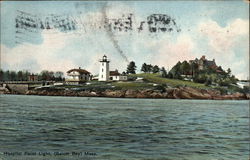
(83,71)
(218,71)
(114,73)
(32,75)
(210,63)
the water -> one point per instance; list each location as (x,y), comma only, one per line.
(106,128)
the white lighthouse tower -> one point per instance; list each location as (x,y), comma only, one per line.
(104,69)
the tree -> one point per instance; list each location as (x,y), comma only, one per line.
(185,67)
(170,75)
(25,75)
(149,68)
(176,71)
(194,68)
(1,75)
(123,73)
(144,67)
(220,68)
(200,78)
(13,76)
(164,72)
(51,76)
(155,69)
(44,75)
(233,79)
(58,76)
(208,81)
(224,82)
(228,71)
(131,68)
(6,75)
(20,75)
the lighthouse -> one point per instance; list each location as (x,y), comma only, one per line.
(104,69)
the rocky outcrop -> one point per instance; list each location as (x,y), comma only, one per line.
(4,90)
(235,96)
(17,88)
(191,93)
(170,93)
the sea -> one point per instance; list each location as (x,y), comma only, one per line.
(79,128)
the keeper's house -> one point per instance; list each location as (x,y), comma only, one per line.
(116,76)
(78,76)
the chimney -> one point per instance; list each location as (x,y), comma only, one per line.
(79,67)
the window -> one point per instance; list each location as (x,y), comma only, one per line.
(102,64)
(102,76)
(102,69)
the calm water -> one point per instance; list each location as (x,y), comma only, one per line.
(123,128)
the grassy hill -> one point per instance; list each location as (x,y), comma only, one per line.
(156,78)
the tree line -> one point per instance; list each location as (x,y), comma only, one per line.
(44,75)
(146,68)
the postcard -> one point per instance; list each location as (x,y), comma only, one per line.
(124,80)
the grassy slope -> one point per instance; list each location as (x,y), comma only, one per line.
(155,78)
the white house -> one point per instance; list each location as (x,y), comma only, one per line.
(116,76)
(106,75)
(77,76)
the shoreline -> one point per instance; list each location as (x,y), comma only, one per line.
(125,97)
(169,93)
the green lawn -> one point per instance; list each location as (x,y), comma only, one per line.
(156,78)
(149,80)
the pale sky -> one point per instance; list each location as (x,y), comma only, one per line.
(217,29)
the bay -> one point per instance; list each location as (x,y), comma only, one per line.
(119,128)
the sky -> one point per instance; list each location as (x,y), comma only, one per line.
(217,29)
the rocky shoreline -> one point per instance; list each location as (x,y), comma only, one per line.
(168,93)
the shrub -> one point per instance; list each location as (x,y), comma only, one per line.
(208,82)
(246,89)
(131,78)
(161,88)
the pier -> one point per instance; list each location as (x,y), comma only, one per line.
(23,86)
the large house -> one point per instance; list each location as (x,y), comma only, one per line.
(33,77)
(78,76)
(203,63)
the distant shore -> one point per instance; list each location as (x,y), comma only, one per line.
(168,93)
